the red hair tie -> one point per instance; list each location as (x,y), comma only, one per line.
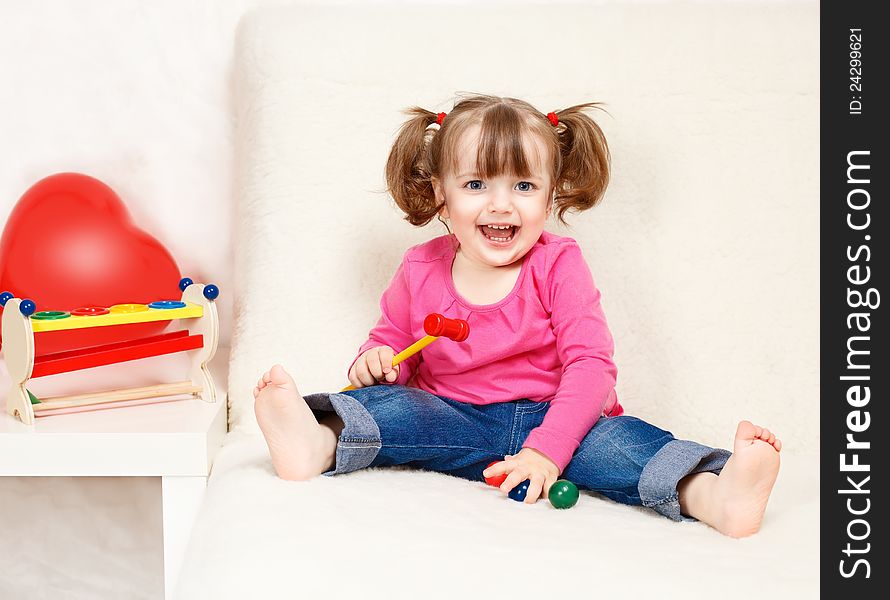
(439,118)
(554,120)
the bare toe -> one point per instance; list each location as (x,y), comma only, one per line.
(278,376)
(744,435)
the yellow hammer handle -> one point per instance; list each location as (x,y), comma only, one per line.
(406,353)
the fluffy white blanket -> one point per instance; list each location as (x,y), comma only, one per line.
(399,533)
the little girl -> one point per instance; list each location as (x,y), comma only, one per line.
(533,386)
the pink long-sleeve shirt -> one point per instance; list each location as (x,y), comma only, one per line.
(546,340)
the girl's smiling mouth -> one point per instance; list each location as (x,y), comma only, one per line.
(499,235)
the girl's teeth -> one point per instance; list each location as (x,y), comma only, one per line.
(488,230)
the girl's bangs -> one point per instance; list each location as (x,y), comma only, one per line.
(501,149)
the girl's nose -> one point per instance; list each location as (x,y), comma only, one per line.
(500,202)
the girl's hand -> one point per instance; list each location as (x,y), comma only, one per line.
(374,366)
(527,464)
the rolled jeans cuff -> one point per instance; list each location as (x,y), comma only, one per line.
(674,461)
(359,440)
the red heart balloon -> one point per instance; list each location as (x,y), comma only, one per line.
(70,242)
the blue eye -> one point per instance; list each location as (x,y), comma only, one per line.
(470,183)
(528,189)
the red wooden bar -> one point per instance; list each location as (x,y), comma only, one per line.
(110,346)
(108,354)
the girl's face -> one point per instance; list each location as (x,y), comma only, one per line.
(472,203)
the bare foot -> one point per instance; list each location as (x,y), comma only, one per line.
(299,446)
(742,490)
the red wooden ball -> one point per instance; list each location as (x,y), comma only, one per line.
(497,480)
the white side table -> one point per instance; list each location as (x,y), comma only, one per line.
(176,441)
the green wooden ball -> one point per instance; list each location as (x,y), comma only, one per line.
(563,494)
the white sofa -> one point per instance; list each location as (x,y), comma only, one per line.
(705,250)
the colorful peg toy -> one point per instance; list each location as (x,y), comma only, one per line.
(436,326)
(21,324)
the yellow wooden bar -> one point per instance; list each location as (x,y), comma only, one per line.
(190,311)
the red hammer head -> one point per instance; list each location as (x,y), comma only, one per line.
(455,329)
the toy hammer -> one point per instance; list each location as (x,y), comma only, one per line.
(436,326)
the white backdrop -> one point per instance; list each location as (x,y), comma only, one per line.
(139,95)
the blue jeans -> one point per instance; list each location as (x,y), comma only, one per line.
(622,458)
